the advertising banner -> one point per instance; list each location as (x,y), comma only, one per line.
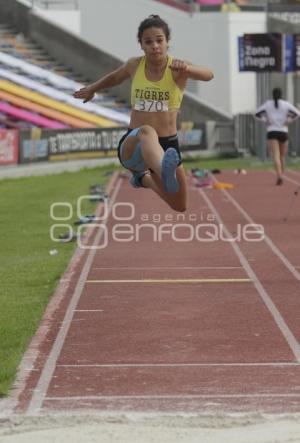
(292,52)
(33,145)
(43,144)
(66,144)
(191,136)
(261,52)
(84,143)
(269,52)
(241,54)
(289,53)
(8,147)
(296,52)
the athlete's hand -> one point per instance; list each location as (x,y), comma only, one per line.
(179,66)
(85,93)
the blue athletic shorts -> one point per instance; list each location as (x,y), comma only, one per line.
(136,162)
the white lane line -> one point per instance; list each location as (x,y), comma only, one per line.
(162,397)
(292,171)
(181,365)
(174,280)
(49,368)
(88,310)
(291,180)
(279,320)
(267,239)
(177,268)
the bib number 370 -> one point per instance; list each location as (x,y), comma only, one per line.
(151,106)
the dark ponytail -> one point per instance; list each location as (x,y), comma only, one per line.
(276,96)
(153,21)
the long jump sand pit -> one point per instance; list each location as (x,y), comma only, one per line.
(143,428)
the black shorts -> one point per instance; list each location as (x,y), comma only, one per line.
(277,135)
(165,143)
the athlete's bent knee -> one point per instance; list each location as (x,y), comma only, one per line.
(147,130)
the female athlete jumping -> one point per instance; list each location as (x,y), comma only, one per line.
(150,148)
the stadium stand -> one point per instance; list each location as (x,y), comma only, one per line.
(37,120)
(106,116)
(32,82)
(43,110)
(14,44)
(27,93)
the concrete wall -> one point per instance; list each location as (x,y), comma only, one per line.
(14,13)
(62,15)
(69,20)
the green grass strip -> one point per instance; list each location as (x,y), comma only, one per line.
(28,273)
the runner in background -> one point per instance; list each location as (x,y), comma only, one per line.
(277,114)
(150,147)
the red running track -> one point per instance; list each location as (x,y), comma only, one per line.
(168,315)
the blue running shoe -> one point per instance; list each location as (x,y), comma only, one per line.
(136,179)
(168,171)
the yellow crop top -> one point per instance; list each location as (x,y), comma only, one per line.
(151,96)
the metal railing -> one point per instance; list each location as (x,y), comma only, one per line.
(251,137)
(247,135)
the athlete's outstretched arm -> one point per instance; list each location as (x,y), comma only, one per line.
(114,78)
(191,71)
